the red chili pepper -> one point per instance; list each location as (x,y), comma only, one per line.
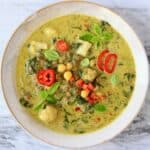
(94,96)
(101,59)
(107,61)
(110,63)
(46,77)
(90,100)
(77,109)
(85,86)
(62,46)
(79,83)
(72,79)
(91,87)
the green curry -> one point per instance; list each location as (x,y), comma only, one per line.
(75,74)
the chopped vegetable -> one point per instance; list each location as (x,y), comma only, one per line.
(46,77)
(51,55)
(75,46)
(114,79)
(85,62)
(79,83)
(25,103)
(62,46)
(83,48)
(32,66)
(89,74)
(35,47)
(99,107)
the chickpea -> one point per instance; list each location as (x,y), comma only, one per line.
(67,75)
(61,68)
(69,66)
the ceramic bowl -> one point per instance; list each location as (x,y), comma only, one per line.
(8,69)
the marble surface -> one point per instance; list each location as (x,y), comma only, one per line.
(136,136)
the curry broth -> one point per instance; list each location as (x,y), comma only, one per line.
(117,86)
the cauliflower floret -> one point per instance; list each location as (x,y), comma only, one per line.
(89,74)
(35,47)
(84,48)
(48,114)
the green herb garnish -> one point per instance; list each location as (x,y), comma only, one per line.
(96,35)
(51,55)
(114,79)
(25,103)
(47,96)
(85,62)
(100,107)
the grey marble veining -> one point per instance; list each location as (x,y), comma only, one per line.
(135,137)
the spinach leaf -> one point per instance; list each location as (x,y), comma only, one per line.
(75,46)
(80,100)
(100,107)
(85,62)
(31,66)
(51,55)
(25,103)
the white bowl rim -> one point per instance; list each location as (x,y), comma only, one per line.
(28,18)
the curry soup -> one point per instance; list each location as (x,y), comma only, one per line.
(75,74)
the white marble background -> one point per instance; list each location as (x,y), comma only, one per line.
(136,136)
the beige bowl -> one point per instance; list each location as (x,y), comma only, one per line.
(9,64)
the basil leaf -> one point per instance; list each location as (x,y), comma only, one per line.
(39,105)
(114,79)
(96,28)
(87,36)
(51,55)
(107,36)
(85,62)
(53,88)
(43,94)
(100,107)
(51,100)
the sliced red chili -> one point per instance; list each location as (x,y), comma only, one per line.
(110,63)
(101,59)
(90,86)
(46,77)
(62,46)
(79,83)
